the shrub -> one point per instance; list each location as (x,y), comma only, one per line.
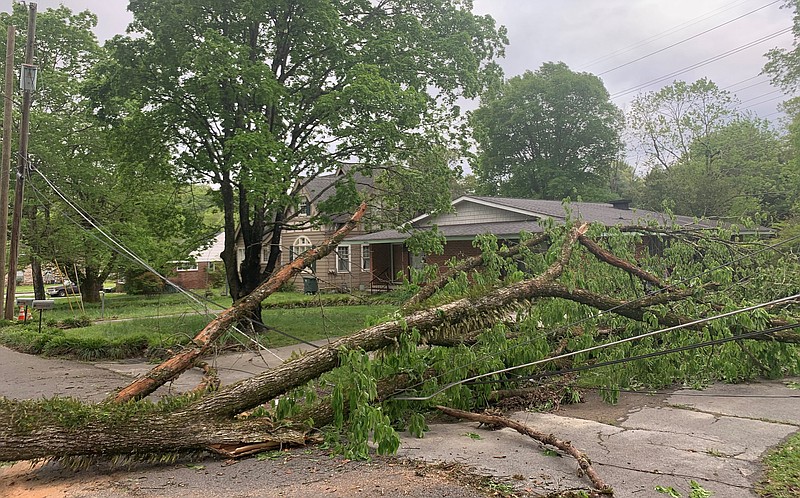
(143,283)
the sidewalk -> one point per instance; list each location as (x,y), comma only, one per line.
(715,437)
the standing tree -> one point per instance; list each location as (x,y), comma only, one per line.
(131,196)
(733,172)
(672,124)
(258,98)
(548,135)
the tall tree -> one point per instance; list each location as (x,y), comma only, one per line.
(547,134)
(735,171)
(783,65)
(260,97)
(671,124)
(131,196)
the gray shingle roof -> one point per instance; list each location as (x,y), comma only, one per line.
(604,213)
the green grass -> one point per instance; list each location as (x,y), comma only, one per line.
(123,306)
(782,471)
(162,322)
(311,324)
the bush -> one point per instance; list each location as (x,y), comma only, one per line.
(75,323)
(143,283)
(216,277)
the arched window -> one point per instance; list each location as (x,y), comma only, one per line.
(301,244)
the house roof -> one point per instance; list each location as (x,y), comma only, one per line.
(322,188)
(534,209)
(212,252)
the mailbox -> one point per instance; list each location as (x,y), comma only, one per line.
(43,304)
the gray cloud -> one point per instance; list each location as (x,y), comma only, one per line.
(578,32)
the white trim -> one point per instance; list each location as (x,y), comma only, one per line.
(188,266)
(481,202)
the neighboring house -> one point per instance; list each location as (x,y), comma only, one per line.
(197,271)
(502,217)
(348,268)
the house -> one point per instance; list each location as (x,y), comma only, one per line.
(505,218)
(202,267)
(348,268)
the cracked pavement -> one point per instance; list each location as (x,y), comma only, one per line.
(715,437)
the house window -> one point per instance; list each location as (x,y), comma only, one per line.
(343,259)
(304,208)
(240,255)
(187,266)
(301,245)
(365,264)
(212,266)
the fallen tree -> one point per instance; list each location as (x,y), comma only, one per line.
(233,420)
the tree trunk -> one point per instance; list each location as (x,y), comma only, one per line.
(38,280)
(229,249)
(91,285)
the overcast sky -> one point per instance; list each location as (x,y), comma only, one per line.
(600,35)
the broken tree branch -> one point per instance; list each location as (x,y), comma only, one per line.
(548,439)
(184,360)
(608,257)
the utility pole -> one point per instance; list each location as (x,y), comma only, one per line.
(28,83)
(5,167)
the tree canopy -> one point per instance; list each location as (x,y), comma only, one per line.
(258,98)
(737,171)
(128,196)
(671,124)
(547,134)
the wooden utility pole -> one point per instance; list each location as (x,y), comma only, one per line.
(5,167)
(22,163)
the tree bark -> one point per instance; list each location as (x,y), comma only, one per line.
(610,258)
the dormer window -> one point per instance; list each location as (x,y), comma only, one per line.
(304,208)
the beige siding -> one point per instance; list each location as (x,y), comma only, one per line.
(470,212)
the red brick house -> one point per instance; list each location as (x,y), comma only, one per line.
(197,271)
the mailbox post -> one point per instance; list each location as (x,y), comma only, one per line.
(27,302)
(41,305)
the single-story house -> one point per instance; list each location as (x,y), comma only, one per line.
(197,272)
(505,218)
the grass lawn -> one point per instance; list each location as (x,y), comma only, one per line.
(150,325)
(782,468)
